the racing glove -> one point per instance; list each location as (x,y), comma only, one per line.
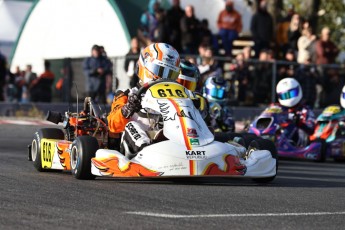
(132,106)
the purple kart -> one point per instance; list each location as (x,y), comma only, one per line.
(273,124)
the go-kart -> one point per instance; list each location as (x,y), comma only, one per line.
(330,127)
(184,147)
(51,147)
(274,124)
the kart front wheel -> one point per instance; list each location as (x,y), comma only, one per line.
(263,144)
(83,149)
(35,153)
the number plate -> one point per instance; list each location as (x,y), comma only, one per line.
(47,152)
(169,90)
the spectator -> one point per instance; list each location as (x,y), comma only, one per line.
(206,36)
(229,25)
(66,81)
(262,79)
(282,31)
(262,28)
(304,43)
(3,74)
(241,74)
(190,31)
(161,29)
(308,77)
(247,53)
(20,84)
(130,62)
(208,65)
(332,87)
(29,75)
(40,88)
(96,69)
(287,70)
(148,23)
(294,32)
(173,20)
(326,50)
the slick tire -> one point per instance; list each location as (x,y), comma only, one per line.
(263,144)
(48,133)
(83,149)
(323,150)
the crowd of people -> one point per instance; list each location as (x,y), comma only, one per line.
(291,45)
(25,85)
(288,48)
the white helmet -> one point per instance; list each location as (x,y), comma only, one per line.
(289,92)
(342,98)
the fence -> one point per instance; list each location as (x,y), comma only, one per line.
(323,82)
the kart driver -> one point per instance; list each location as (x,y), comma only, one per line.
(189,77)
(156,61)
(290,95)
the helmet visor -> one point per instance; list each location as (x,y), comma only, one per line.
(217,93)
(188,82)
(163,70)
(292,93)
(343,95)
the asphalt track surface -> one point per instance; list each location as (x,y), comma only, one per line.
(304,195)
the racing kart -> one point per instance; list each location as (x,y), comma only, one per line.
(330,127)
(274,124)
(184,147)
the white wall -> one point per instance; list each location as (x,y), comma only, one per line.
(65,28)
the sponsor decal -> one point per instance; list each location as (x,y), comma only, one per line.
(194,141)
(192,132)
(195,155)
(133,131)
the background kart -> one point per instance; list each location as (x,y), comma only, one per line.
(330,127)
(273,124)
(184,147)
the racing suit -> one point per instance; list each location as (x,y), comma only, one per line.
(133,129)
(304,119)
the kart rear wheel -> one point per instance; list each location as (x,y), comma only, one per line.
(323,150)
(83,149)
(242,138)
(263,144)
(48,133)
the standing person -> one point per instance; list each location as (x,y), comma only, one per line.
(130,62)
(95,69)
(262,28)
(326,50)
(173,20)
(294,32)
(67,79)
(41,87)
(190,31)
(304,45)
(3,73)
(229,25)
(30,76)
(148,23)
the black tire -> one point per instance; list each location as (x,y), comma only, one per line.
(83,149)
(323,150)
(263,144)
(48,133)
(229,136)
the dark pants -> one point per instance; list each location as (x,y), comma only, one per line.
(228,36)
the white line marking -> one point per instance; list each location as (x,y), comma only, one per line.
(173,216)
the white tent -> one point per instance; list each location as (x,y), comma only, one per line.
(12,15)
(65,28)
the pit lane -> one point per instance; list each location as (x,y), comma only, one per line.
(304,195)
